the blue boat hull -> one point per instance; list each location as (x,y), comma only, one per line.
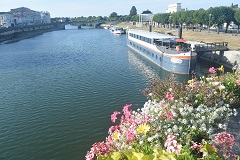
(174,65)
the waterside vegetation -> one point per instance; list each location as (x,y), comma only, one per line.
(179,121)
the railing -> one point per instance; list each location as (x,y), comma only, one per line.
(206,47)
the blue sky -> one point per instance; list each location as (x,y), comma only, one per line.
(77,8)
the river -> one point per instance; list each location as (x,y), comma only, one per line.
(59,89)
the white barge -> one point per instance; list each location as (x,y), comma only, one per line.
(169,52)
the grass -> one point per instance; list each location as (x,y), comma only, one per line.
(232,39)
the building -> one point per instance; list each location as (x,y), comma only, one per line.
(174,8)
(235,6)
(26,16)
(45,18)
(6,20)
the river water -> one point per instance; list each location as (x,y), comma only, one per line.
(58,90)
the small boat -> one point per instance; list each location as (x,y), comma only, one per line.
(169,52)
(106,27)
(118,30)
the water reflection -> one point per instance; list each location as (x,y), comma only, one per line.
(150,70)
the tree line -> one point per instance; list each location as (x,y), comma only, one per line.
(216,17)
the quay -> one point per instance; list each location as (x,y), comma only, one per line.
(218,52)
(21,32)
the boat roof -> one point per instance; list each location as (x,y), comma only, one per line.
(153,35)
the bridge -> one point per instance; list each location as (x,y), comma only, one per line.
(95,24)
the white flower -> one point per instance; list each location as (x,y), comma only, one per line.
(184,121)
(150,94)
(221,87)
(175,128)
(150,139)
(220,125)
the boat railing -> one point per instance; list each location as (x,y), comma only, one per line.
(172,50)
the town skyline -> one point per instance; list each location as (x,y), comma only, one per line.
(74,8)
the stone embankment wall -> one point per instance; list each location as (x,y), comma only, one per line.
(229,59)
(21,31)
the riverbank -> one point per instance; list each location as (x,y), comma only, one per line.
(23,35)
(204,35)
(14,34)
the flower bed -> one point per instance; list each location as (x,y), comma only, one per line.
(178,122)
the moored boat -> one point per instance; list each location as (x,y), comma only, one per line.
(117,30)
(169,52)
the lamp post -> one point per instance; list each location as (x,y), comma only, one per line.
(209,22)
(170,27)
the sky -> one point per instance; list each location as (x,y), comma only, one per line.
(85,8)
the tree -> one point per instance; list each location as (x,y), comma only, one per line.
(237,19)
(133,11)
(220,15)
(147,12)
(113,16)
(162,18)
(201,17)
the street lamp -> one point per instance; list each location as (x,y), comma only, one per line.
(209,22)
(170,22)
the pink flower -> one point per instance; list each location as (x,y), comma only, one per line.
(114,116)
(171,144)
(170,115)
(130,134)
(169,96)
(238,83)
(224,141)
(197,146)
(127,112)
(112,129)
(89,155)
(212,70)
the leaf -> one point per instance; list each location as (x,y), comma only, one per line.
(148,157)
(137,156)
(116,155)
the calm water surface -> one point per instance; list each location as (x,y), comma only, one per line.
(58,90)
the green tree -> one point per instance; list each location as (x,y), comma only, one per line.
(220,15)
(200,17)
(133,11)
(113,16)
(162,18)
(237,19)
(147,12)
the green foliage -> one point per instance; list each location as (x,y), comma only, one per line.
(147,12)
(161,18)
(133,11)
(207,150)
(237,17)
(217,16)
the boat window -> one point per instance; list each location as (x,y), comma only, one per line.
(156,57)
(152,54)
(160,58)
